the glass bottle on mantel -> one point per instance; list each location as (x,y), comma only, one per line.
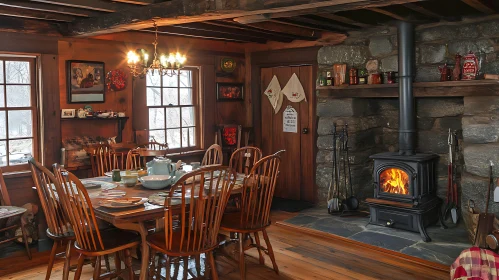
(353,76)
(470,66)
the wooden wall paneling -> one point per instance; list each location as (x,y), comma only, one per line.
(208,88)
(50,119)
(26,43)
(266,114)
(140,120)
(231,112)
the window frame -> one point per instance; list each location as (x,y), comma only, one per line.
(195,104)
(34,82)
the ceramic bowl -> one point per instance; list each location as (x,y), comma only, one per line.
(155,182)
(103,115)
(129,180)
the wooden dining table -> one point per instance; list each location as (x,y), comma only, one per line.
(135,218)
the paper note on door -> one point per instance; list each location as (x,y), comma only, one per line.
(290,120)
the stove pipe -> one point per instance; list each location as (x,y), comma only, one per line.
(407,110)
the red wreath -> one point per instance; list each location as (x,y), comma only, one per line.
(229,135)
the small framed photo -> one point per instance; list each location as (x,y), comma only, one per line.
(68,113)
(230,91)
(86,81)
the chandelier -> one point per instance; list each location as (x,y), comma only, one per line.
(169,66)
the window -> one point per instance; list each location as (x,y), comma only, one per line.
(173,109)
(18,112)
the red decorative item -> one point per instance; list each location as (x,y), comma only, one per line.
(470,67)
(229,135)
(456,73)
(444,73)
(116,80)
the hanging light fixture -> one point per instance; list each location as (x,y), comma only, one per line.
(169,66)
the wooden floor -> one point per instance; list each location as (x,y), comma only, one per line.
(300,255)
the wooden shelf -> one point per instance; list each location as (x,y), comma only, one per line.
(421,89)
(121,123)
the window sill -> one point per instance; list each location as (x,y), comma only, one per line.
(186,154)
(17,174)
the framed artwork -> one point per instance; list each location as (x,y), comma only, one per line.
(85,81)
(68,113)
(230,91)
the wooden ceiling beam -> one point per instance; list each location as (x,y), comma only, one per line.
(296,23)
(313,19)
(179,12)
(423,11)
(287,29)
(22,13)
(49,8)
(388,13)
(136,2)
(95,5)
(203,34)
(343,19)
(480,6)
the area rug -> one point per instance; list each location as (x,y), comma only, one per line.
(445,247)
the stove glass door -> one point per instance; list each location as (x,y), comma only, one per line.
(394,181)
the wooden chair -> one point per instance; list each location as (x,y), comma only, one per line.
(195,231)
(254,216)
(243,159)
(213,155)
(90,240)
(133,160)
(58,224)
(14,215)
(103,160)
(154,146)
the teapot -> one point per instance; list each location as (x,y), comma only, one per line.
(161,166)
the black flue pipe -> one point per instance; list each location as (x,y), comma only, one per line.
(407,109)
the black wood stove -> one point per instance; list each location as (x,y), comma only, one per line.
(405,182)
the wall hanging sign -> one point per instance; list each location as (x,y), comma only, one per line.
(290,120)
(116,80)
(85,81)
(274,94)
(294,90)
(230,91)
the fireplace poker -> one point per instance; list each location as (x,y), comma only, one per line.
(485,220)
(450,170)
(333,203)
(454,211)
(352,201)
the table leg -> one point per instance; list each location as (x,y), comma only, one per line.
(142,230)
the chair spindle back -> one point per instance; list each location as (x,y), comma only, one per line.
(134,160)
(213,155)
(106,159)
(243,159)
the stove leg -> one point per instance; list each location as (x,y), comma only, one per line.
(441,219)
(422,230)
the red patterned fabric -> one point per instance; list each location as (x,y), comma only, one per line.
(475,264)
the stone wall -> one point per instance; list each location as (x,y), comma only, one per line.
(373,123)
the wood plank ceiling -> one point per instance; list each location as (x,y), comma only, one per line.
(282,22)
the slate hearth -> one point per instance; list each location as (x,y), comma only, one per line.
(445,247)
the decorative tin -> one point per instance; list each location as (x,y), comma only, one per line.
(353,76)
(470,66)
(329,78)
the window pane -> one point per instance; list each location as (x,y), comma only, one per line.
(18,96)
(156,118)
(1,72)
(192,136)
(157,135)
(20,124)
(185,137)
(173,138)
(170,81)
(188,116)
(3,126)
(185,78)
(172,117)
(170,96)
(153,96)
(186,96)
(3,153)
(2,98)
(153,80)
(17,72)
(20,151)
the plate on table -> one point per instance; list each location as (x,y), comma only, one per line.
(122,202)
(103,185)
(122,173)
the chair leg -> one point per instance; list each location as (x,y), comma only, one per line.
(152,263)
(79,267)
(106,261)
(271,252)
(128,262)
(51,260)
(97,268)
(198,265)
(259,248)
(213,266)
(117,263)
(186,266)
(25,238)
(168,266)
(242,266)
(67,261)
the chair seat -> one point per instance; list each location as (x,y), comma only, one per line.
(232,222)
(157,241)
(114,240)
(68,235)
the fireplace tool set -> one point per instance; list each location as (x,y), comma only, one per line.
(339,200)
(452,199)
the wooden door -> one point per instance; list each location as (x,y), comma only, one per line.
(296,179)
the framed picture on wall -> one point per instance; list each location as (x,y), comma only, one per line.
(230,91)
(86,82)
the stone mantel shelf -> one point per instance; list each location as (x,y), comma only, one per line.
(421,89)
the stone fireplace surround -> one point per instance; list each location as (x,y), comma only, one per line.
(373,122)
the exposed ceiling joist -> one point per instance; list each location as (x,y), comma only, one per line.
(343,19)
(313,19)
(388,13)
(49,8)
(179,12)
(188,32)
(95,5)
(21,13)
(303,24)
(136,2)
(480,6)
(287,29)
(423,11)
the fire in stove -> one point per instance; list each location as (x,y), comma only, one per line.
(394,180)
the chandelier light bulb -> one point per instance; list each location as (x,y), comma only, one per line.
(146,58)
(163,60)
(133,58)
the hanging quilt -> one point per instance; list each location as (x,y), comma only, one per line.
(274,94)
(294,90)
